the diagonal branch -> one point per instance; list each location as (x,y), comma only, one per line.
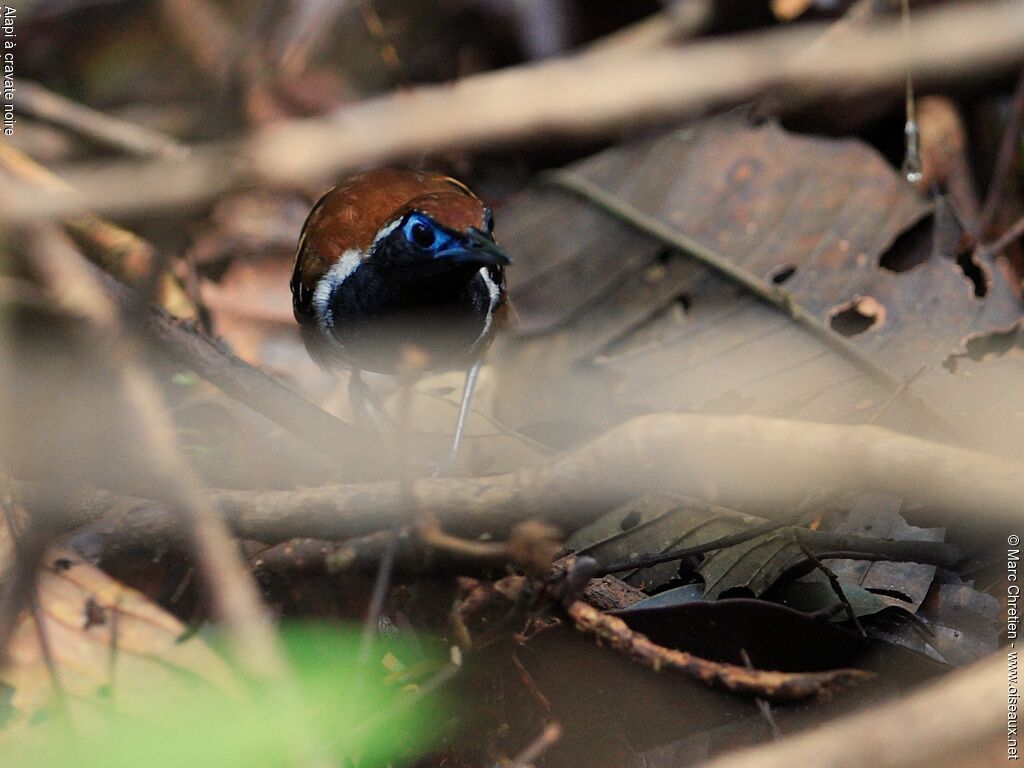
(72,284)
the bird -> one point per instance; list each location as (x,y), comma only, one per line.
(390,261)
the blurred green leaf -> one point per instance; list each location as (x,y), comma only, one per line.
(337,717)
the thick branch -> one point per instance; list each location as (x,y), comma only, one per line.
(761,465)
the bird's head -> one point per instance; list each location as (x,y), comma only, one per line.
(410,226)
(437,233)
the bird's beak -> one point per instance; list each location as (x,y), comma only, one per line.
(478,248)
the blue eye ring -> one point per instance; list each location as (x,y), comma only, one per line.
(419,232)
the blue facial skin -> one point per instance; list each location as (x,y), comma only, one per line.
(422,232)
(424,236)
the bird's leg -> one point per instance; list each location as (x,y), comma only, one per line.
(460,426)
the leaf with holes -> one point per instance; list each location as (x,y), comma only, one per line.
(903,585)
(828,221)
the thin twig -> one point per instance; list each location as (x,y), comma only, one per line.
(896,394)
(386,48)
(121,252)
(115,640)
(833,579)
(234,594)
(382,716)
(912,131)
(35,100)
(677,21)
(35,607)
(897,550)
(203,31)
(763,706)
(250,386)
(1015,231)
(407,494)
(781,686)
(27,552)
(960,719)
(303,30)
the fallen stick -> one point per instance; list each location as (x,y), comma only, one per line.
(778,686)
(761,465)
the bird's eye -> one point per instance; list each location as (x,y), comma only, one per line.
(421,234)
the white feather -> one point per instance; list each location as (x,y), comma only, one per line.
(329,283)
(495,294)
(384,231)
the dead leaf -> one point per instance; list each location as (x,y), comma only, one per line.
(111,647)
(904,585)
(613,322)
(652,525)
(754,565)
(962,625)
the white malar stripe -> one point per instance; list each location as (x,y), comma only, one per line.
(495,294)
(384,231)
(336,275)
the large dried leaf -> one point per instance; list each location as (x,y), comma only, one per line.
(759,196)
(815,215)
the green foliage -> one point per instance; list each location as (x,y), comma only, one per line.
(332,716)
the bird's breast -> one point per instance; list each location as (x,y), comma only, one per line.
(371,319)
